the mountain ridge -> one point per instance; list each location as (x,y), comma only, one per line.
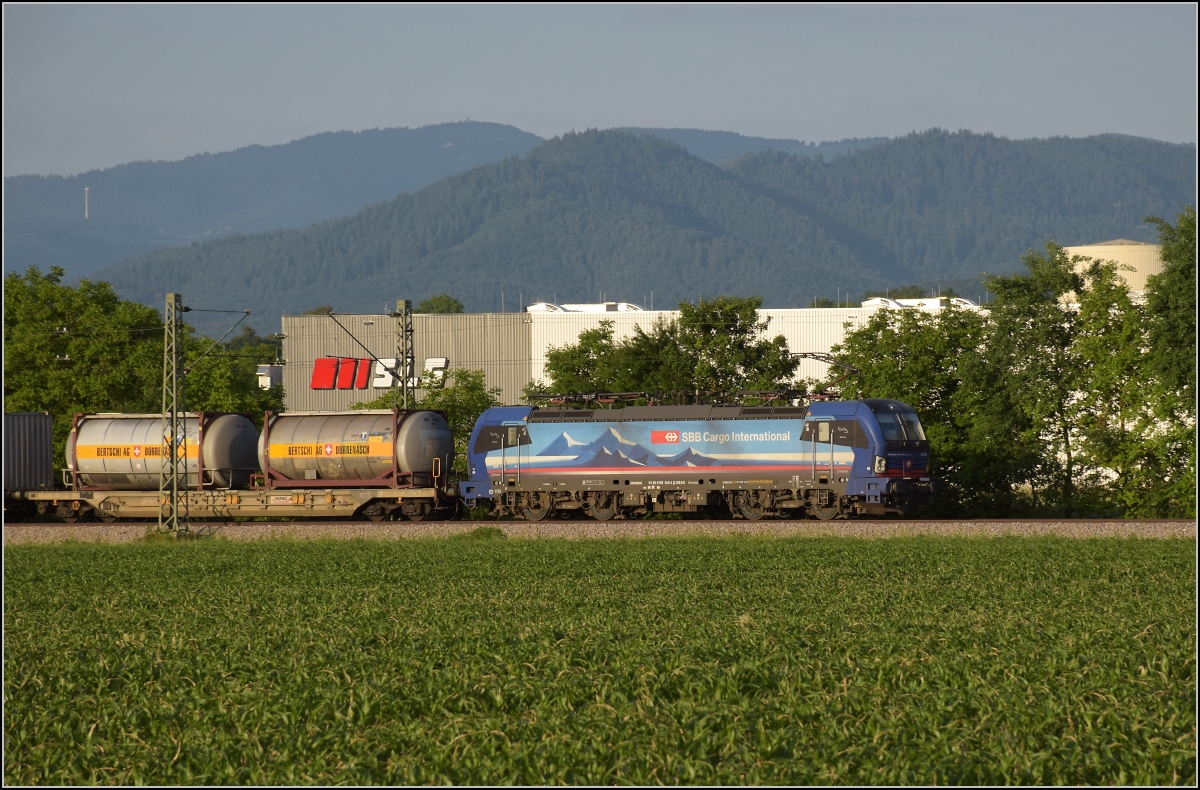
(623,214)
(138,207)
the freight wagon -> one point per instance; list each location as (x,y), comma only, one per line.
(382,464)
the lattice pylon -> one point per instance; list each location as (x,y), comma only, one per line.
(172,513)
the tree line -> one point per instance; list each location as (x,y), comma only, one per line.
(84,349)
(1064,397)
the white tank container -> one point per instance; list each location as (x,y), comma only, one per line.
(123,452)
(356,445)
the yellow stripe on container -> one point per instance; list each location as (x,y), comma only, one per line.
(337,450)
(130,450)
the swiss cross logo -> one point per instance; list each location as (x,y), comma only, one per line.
(664,437)
(329,449)
(137,451)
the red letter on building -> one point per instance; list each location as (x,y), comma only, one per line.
(364,374)
(345,377)
(324,373)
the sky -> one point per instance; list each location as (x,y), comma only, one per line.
(93,86)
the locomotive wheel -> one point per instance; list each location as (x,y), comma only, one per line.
(537,506)
(601,506)
(826,512)
(750,506)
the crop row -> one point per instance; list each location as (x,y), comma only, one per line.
(740,661)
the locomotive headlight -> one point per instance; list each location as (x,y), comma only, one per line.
(880,464)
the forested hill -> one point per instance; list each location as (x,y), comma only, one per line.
(942,206)
(626,215)
(723,147)
(143,206)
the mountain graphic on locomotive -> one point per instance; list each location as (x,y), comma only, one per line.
(828,459)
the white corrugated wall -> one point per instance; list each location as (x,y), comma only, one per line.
(804,330)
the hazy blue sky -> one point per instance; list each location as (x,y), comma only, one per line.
(95,86)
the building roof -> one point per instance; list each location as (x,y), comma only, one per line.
(1117,243)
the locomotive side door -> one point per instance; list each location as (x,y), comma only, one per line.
(513,437)
(820,436)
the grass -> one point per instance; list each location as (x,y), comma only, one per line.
(695,661)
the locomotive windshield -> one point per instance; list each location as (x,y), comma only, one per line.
(900,425)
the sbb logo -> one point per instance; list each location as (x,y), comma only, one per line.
(664,437)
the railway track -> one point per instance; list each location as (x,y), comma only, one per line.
(125,532)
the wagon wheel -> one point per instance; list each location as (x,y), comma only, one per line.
(68,514)
(537,506)
(601,506)
(375,512)
(16,514)
(106,516)
(750,506)
(419,516)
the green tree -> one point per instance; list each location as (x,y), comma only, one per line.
(714,347)
(719,341)
(463,397)
(1033,340)
(933,362)
(1171,303)
(899,292)
(591,364)
(1052,400)
(85,349)
(1168,455)
(1110,405)
(248,341)
(322,310)
(440,303)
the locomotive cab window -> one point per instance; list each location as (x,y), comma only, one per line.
(912,425)
(890,423)
(899,426)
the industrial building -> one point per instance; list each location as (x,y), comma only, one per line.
(1136,260)
(331,360)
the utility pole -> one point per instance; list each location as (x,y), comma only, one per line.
(404,353)
(174,424)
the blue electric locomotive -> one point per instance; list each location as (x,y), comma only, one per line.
(829,459)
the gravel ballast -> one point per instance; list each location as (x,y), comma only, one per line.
(582,530)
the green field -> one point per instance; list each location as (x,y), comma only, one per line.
(738,661)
